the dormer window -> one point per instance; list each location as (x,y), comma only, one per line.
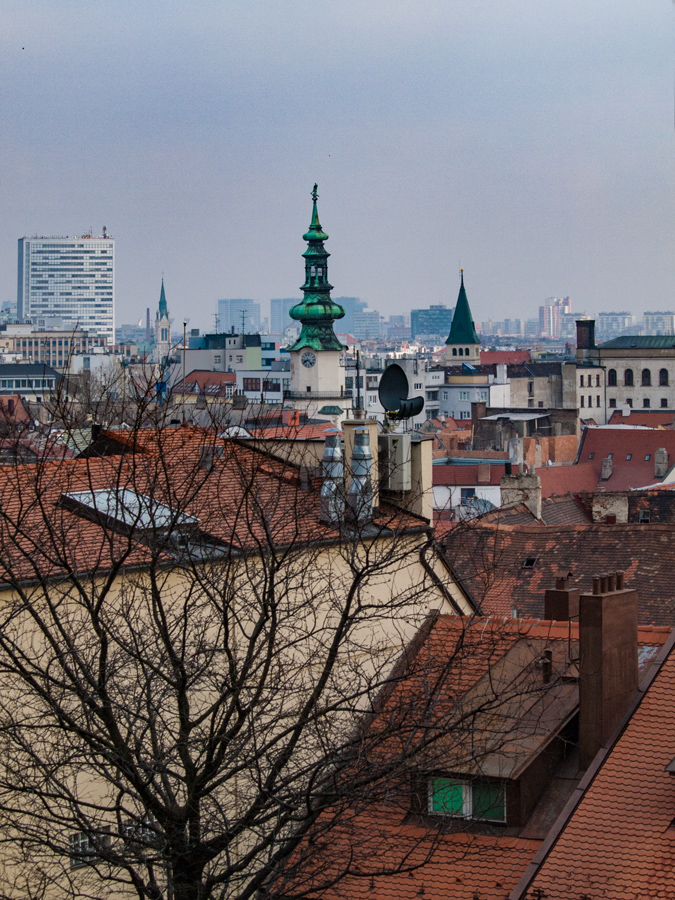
(481,801)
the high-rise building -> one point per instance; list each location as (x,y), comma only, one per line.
(432,322)
(350,305)
(279,317)
(609,325)
(242,315)
(659,322)
(70,281)
(550,313)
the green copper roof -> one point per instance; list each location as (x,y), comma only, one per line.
(163,309)
(640,342)
(317,311)
(462,330)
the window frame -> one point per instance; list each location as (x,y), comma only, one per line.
(468,787)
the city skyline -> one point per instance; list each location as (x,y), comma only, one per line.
(531,146)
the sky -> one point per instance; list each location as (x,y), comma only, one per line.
(530,143)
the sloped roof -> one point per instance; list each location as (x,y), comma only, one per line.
(466,475)
(488,559)
(617,842)
(510,357)
(654,418)
(640,342)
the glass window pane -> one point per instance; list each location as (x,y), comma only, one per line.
(489,802)
(448,796)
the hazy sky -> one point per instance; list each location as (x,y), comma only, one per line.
(530,141)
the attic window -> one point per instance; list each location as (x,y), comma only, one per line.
(629,456)
(484,801)
(645,517)
(530,562)
(126,510)
(648,457)
(591,455)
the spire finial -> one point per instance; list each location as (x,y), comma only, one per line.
(315,196)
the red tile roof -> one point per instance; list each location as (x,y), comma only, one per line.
(487,558)
(650,418)
(466,475)
(617,843)
(509,357)
(596,445)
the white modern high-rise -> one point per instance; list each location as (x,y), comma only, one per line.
(68,281)
(241,315)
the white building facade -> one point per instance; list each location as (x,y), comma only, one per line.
(68,279)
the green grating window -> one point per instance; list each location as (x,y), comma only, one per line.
(447,796)
(489,802)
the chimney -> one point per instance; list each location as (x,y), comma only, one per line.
(522,488)
(95,431)
(625,411)
(562,602)
(585,334)
(332,487)
(483,473)
(606,470)
(660,462)
(10,406)
(608,666)
(360,495)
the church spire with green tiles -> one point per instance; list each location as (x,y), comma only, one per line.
(317,312)
(463,344)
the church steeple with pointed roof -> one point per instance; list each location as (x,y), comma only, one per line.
(162,329)
(463,344)
(317,312)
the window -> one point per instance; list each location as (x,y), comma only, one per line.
(454,351)
(581,401)
(610,456)
(463,395)
(597,400)
(581,381)
(629,456)
(445,395)
(646,403)
(251,384)
(629,402)
(540,404)
(461,352)
(83,847)
(597,381)
(644,517)
(663,378)
(530,386)
(530,402)
(648,457)
(646,378)
(591,455)
(530,562)
(467,494)
(464,414)
(485,801)
(664,403)
(628,378)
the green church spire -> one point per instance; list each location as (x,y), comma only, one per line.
(462,330)
(163,309)
(317,312)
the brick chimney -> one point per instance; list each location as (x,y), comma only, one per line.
(660,462)
(608,666)
(585,334)
(561,602)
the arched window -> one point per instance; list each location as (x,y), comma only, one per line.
(628,378)
(454,351)
(461,352)
(663,377)
(611,378)
(466,352)
(646,378)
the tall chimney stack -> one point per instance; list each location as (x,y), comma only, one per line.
(332,485)
(360,496)
(660,462)
(608,666)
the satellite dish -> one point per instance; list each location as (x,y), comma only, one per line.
(393,394)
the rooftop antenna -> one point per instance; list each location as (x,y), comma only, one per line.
(243,321)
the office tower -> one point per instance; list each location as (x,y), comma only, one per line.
(432,322)
(241,315)
(351,306)
(68,282)
(279,317)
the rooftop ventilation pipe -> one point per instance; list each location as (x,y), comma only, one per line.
(360,496)
(332,485)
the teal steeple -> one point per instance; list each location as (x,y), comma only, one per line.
(462,330)
(163,310)
(317,312)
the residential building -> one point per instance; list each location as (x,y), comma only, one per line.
(53,347)
(366,325)
(280,319)
(29,380)
(549,315)
(659,322)
(614,324)
(224,352)
(241,316)
(433,322)
(68,279)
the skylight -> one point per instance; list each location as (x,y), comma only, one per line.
(127,508)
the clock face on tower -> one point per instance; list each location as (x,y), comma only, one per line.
(308,359)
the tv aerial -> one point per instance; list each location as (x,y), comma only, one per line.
(393,394)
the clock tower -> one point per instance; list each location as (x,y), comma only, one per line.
(316,373)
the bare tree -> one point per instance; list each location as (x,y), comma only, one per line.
(186,653)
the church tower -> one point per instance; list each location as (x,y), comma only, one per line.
(463,344)
(162,330)
(316,372)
